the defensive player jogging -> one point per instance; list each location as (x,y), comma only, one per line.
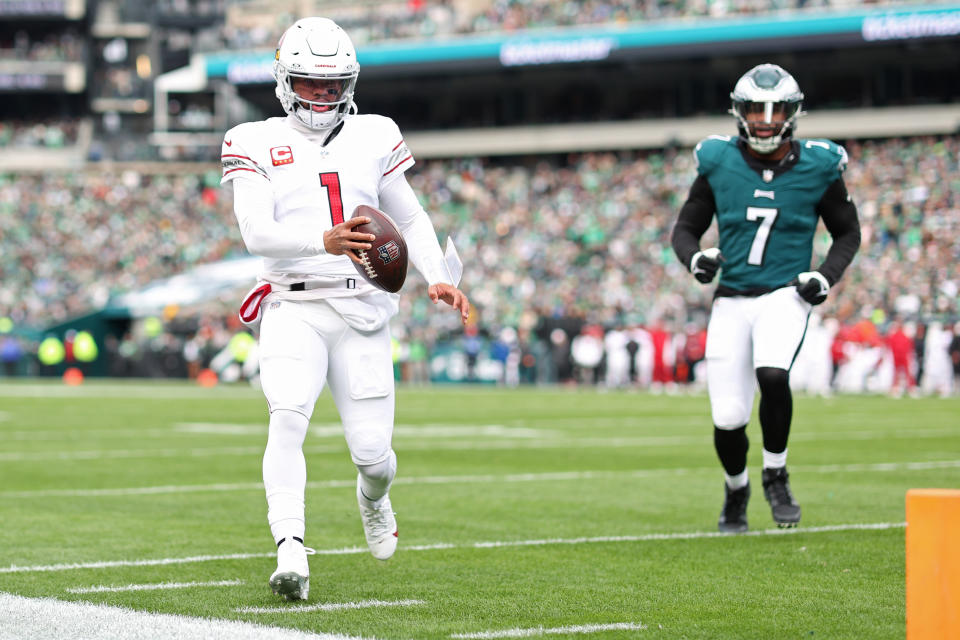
(767,190)
(295,182)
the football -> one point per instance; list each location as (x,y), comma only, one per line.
(385,265)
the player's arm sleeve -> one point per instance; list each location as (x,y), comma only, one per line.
(840,217)
(253,205)
(694,220)
(397,157)
(398,200)
(236,162)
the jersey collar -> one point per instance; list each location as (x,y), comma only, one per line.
(778,167)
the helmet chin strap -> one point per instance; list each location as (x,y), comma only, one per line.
(322,120)
(764,145)
(316,120)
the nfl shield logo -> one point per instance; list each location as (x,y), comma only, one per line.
(389,252)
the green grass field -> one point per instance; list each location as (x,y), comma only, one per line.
(566,510)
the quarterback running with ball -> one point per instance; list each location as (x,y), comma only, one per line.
(767,190)
(295,182)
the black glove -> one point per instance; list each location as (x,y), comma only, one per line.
(705,264)
(812,286)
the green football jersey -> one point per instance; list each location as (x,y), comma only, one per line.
(766,221)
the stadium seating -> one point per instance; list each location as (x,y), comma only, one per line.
(587,237)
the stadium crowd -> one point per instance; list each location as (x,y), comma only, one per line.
(399,19)
(56,47)
(549,243)
(47,134)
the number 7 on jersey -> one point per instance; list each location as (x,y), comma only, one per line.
(766,216)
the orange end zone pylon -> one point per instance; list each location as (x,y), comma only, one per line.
(933,564)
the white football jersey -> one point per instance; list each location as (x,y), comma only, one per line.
(314,184)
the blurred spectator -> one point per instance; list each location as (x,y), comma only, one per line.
(902,350)
(586,349)
(49,134)
(11,352)
(938,370)
(64,46)
(955,356)
(813,369)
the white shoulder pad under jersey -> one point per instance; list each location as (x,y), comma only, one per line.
(381,137)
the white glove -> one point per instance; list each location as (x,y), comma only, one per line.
(812,286)
(705,264)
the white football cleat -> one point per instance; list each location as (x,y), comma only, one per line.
(379,525)
(291,580)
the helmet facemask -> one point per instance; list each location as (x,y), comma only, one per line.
(765,125)
(319,101)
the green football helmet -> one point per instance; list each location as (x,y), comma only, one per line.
(766,103)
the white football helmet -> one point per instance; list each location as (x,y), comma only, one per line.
(769,90)
(318,57)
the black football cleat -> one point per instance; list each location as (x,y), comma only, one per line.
(733,518)
(776,488)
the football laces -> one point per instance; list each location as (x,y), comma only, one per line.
(365,261)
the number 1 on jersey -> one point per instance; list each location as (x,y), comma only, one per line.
(332,182)
(766,216)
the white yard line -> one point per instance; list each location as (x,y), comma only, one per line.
(649,537)
(540,631)
(155,391)
(335,429)
(81,435)
(331,606)
(109,564)
(50,618)
(141,491)
(424,443)
(154,587)
(112,454)
(558,476)
(317,430)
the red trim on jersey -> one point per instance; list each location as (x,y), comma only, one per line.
(234,155)
(245,169)
(398,146)
(398,164)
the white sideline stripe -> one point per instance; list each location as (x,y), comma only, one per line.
(47,618)
(86,434)
(473,479)
(335,429)
(691,535)
(331,606)
(136,491)
(458,445)
(154,587)
(161,391)
(540,631)
(328,430)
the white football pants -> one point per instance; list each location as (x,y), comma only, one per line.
(743,335)
(303,345)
